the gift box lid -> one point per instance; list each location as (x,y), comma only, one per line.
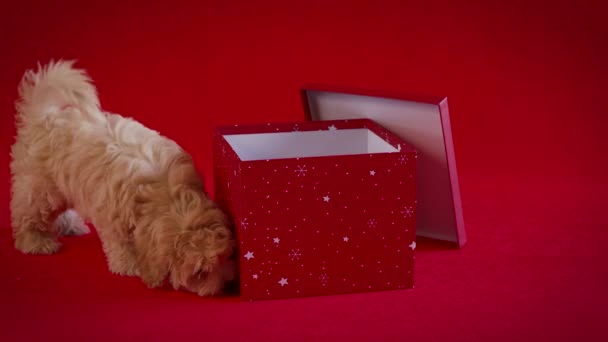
(423,122)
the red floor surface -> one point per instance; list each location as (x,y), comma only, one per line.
(526,82)
(534,270)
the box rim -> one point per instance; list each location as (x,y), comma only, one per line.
(369,124)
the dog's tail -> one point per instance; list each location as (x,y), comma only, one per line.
(54,87)
(70,223)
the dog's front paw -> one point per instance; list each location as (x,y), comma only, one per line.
(36,242)
(123,268)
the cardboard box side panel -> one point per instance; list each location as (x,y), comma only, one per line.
(323,226)
(227,183)
(452,169)
(315,90)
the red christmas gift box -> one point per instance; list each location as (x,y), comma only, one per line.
(319,208)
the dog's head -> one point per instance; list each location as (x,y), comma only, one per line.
(191,241)
(203,248)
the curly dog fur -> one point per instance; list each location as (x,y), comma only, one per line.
(73,161)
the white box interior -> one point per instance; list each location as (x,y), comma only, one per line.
(301,144)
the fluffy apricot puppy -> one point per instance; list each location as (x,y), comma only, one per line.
(73,162)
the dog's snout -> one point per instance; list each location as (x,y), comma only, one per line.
(201,275)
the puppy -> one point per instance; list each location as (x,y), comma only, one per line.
(73,162)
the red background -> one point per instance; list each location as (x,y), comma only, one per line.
(526,85)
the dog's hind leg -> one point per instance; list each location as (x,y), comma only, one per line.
(34,207)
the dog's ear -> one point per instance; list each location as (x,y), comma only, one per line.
(186,201)
(183,173)
(155,254)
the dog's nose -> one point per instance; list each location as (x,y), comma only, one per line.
(201,274)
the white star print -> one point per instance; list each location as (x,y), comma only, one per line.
(295,254)
(413,245)
(345,239)
(276,240)
(324,278)
(372,173)
(301,170)
(249,255)
(407,212)
(332,128)
(326,198)
(283,282)
(255,276)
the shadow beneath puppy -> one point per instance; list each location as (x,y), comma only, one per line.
(230,293)
(424,244)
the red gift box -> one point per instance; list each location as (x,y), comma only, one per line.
(320,208)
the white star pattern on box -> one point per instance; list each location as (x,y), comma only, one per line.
(296,128)
(413,245)
(372,173)
(249,255)
(276,240)
(324,278)
(283,282)
(332,128)
(402,159)
(244,223)
(345,239)
(372,223)
(407,212)
(255,276)
(326,198)
(301,170)
(295,254)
